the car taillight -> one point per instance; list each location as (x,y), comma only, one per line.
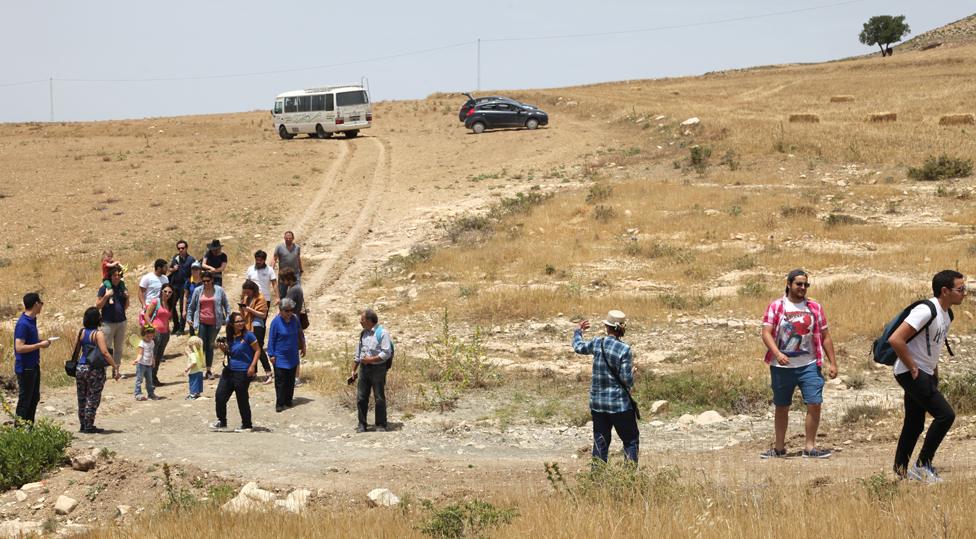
(369,117)
(470,112)
(340,121)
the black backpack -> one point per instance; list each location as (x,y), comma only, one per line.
(882,351)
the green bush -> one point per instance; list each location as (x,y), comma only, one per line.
(466,519)
(698,390)
(27,453)
(960,390)
(619,482)
(941,168)
(699,157)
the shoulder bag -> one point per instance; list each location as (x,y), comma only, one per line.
(616,376)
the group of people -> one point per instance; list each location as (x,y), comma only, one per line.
(796,336)
(186,295)
(794,331)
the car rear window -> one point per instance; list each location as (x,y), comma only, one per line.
(344,99)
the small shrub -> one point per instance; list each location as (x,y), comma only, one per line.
(839,219)
(857,381)
(418,253)
(26,454)
(880,489)
(218,494)
(798,211)
(698,390)
(864,412)
(177,499)
(674,301)
(550,269)
(731,160)
(754,287)
(624,482)
(960,390)
(699,157)
(466,519)
(744,262)
(941,168)
(598,193)
(604,213)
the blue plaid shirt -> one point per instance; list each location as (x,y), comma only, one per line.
(606,395)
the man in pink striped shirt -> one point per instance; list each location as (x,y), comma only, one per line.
(796,338)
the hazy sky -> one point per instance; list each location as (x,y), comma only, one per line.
(102,54)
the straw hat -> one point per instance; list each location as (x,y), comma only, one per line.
(615,319)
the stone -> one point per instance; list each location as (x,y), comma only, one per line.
(709,418)
(686,419)
(122,510)
(296,502)
(736,324)
(381,497)
(155,421)
(19,528)
(241,504)
(659,407)
(251,490)
(32,486)
(65,505)
(82,463)
(656,423)
(20,495)
(691,121)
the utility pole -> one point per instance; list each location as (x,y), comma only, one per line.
(50,89)
(478,86)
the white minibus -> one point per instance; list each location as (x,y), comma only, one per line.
(320,112)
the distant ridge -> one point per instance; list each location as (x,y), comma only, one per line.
(959,32)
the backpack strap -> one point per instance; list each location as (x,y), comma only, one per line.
(74,354)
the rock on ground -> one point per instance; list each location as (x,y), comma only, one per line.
(659,407)
(65,505)
(709,418)
(381,497)
(19,528)
(82,463)
(296,502)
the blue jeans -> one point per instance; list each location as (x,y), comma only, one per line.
(625,423)
(209,334)
(196,383)
(785,380)
(144,372)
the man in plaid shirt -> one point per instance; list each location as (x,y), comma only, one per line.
(610,404)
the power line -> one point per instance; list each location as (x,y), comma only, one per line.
(278,71)
(23,83)
(676,26)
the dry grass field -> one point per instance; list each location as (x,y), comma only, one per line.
(483,251)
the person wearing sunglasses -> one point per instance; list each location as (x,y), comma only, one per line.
(207,313)
(917,372)
(794,330)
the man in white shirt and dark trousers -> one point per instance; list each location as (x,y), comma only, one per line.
(371,363)
(917,372)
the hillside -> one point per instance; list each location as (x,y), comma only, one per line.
(960,32)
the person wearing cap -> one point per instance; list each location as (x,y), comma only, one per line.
(179,275)
(27,357)
(610,402)
(215,262)
(195,281)
(794,330)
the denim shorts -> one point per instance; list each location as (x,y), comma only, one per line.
(784,382)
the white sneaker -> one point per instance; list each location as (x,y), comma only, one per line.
(243,429)
(925,474)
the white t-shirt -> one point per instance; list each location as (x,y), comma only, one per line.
(146,351)
(153,284)
(917,347)
(262,277)
(794,337)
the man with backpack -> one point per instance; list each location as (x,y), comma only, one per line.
(917,341)
(796,338)
(373,357)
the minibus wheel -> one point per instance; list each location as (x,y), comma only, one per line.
(322,133)
(283,133)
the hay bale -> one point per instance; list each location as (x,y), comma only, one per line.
(957,119)
(841,98)
(878,117)
(804,118)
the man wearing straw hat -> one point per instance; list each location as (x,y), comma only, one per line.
(613,377)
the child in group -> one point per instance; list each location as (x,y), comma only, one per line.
(195,366)
(108,261)
(144,363)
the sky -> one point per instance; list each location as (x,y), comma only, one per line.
(115,59)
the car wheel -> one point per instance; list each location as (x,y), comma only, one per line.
(478,127)
(321,132)
(532,123)
(351,134)
(283,132)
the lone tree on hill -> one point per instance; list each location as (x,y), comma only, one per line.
(883,30)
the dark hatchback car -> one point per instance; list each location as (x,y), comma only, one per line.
(495,112)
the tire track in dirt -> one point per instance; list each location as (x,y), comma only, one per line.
(346,154)
(334,265)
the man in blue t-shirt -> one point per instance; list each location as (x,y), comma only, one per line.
(27,357)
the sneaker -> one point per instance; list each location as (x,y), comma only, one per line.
(381,428)
(360,428)
(140,397)
(208,376)
(772,452)
(242,428)
(279,409)
(268,379)
(817,453)
(925,474)
(190,397)
(218,425)
(153,397)
(297,382)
